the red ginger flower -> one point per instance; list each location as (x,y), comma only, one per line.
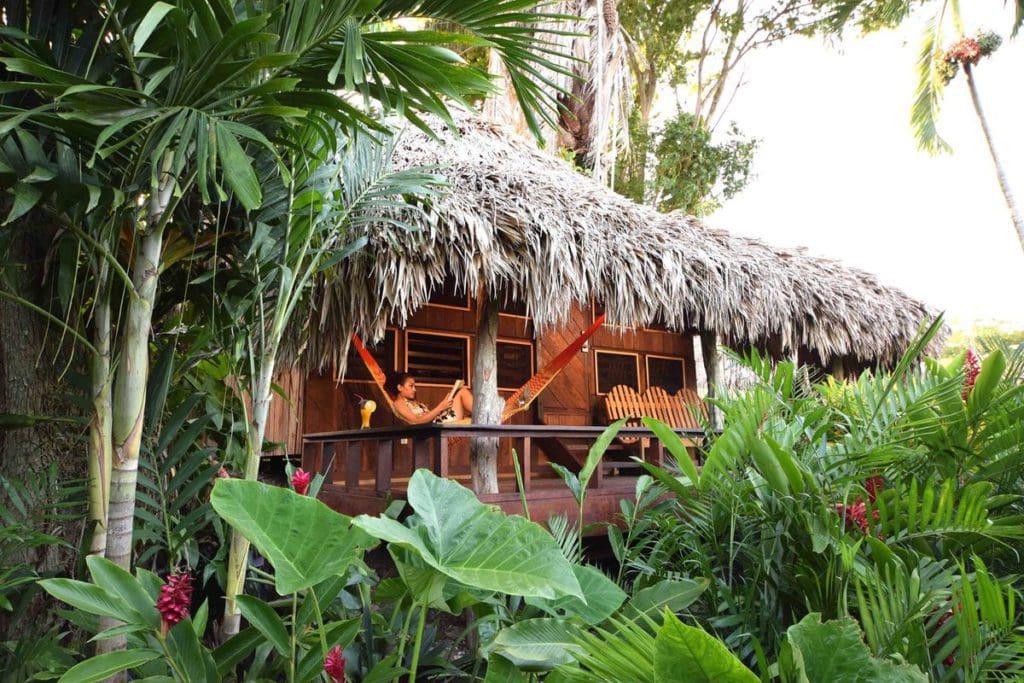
(856,515)
(334,665)
(175,598)
(300,481)
(874,486)
(972,366)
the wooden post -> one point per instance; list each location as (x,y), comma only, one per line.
(487,404)
(527,463)
(709,349)
(384,464)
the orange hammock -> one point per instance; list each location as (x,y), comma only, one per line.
(518,401)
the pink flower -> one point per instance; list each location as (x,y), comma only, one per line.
(300,481)
(334,665)
(223,473)
(175,598)
(972,366)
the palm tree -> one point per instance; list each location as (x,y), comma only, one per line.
(1004,183)
(936,68)
(170,103)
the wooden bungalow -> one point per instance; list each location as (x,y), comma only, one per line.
(521,240)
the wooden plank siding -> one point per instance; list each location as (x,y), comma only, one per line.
(322,404)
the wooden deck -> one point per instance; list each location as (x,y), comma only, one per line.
(368,468)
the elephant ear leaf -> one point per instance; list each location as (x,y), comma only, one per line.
(304,539)
(835,651)
(477,545)
(687,654)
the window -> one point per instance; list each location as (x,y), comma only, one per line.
(514,307)
(509,305)
(615,368)
(383,353)
(437,359)
(449,295)
(665,372)
(515,364)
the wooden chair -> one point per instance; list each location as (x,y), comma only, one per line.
(679,411)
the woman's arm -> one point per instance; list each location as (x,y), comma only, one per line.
(425,418)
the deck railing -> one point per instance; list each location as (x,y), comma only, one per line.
(339,456)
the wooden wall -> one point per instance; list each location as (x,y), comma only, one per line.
(325,404)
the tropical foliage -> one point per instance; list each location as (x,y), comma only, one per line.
(152,131)
(196,166)
(842,532)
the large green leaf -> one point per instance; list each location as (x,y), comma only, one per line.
(237,648)
(238,170)
(674,594)
(90,599)
(690,655)
(304,539)
(501,670)
(475,544)
(148,24)
(103,666)
(834,651)
(265,620)
(119,583)
(537,644)
(603,597)
(675,446)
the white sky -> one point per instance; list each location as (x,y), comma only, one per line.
(838,170)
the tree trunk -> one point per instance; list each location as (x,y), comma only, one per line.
(238,554)
(30,385)
(101,447)
(1004,183)
(487,404)
(709,350)
(129,405)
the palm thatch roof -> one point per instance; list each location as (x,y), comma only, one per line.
(526,224)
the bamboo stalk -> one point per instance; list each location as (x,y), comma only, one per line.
(238,552)
(130,381)
(101,447)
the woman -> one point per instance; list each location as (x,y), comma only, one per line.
(457,406)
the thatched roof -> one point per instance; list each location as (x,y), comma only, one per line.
(523,222)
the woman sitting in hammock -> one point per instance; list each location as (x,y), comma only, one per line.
(457,406)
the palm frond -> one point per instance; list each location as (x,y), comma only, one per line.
(894,601)
(567,537)
(943,513)
(981,642)
(930,84)
(621,651)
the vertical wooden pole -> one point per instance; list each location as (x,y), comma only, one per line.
(487,404)
(709,349)
(527,463)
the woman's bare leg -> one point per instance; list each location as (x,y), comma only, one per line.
(462,404)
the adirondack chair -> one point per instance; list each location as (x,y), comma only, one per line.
(679,411)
